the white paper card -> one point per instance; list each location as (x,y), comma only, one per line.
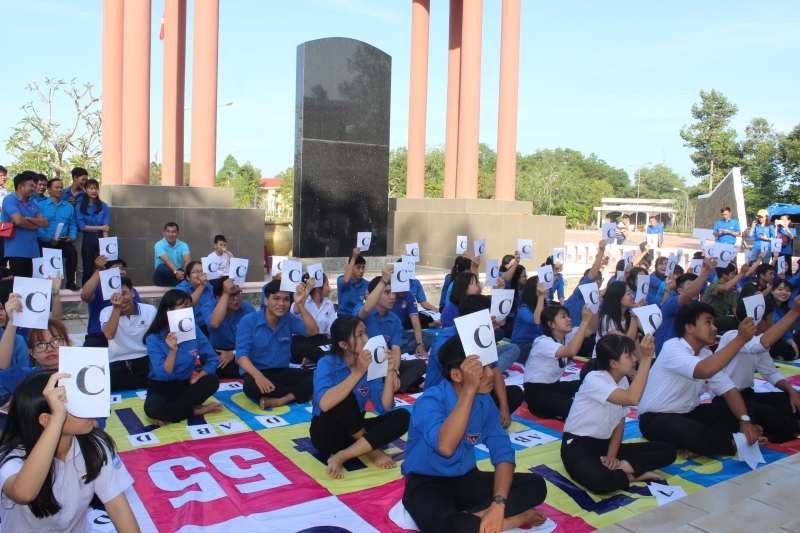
(35,297)
(461,244)
(363,241)
(525,247)
(38,268)
(642,286)
(109,247)
(696,266)
(276,264)
(89,387)
(230,426)
(725,253)
(379,366)
(271,421)
(752,255)
(400,278)
(115,398)
(749,453)
(110,282)
(239,268)
(708,248)
(754,305)
(292,274)
(53,264)
(143,439)
(210,267)
(652,240)
(679,255)
(230,386)
(316,273)
(628,258)
(413,251)
(545,274)
(502,300)
(492,272)
(531,438)
(620,275)
(610,232)
(775,245)
(59,229)
(666,493)
(781,266)
(672,262)
(649,317)
(181,323)
(480,247)
(411,268)
(591,296)
(202,431)
(559,254)
(477,335)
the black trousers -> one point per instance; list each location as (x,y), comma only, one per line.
(782,350)
(95,340)
(706,430)
(297,381)
(445,504)
(551,400)
(581,457)
(771,410)
(411,372)
(130,374)
(309,348)
(173,401)
(90,249)
(333,430)
(21,266)
(514,397)
(70,255)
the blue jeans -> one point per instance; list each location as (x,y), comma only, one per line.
(507,354)
(410,342)
(164,277)
(524,351)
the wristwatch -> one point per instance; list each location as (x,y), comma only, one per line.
(744,418)
(499,500)
(419,344)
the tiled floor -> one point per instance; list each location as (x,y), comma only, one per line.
(765,500)
(76,326)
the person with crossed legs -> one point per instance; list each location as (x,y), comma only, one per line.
(223,322)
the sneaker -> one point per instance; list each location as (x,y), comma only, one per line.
(72,287)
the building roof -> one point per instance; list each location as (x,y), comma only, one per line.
(269,183)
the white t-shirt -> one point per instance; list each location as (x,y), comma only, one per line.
(605,325)
(127,343)
(223,261)
(324,315)
(752,358)
(70,491)
(542,364)
(670,386)
(592,415)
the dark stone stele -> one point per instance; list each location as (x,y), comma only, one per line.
(341,168)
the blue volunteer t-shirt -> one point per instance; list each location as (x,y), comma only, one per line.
(557,288)
(389,326)
(224,337)
(666,330)
(759,231)
(266,347)
(26,241)
(576,302)
(732,225)
(185,359)
(525,329)
(207,299)
(405,307)
(332,370)
(350,295)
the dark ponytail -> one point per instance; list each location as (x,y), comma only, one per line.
(343,329)
(609,348)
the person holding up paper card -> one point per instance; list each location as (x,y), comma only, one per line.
(341,391)
(93,220)
(591,447)
(782,292)
(727,229)
(52,464)
(670,409)
(556,292)
(655,228)
(379,319)
(514,277)
(172,255)
(464,284)
(721,295)
(223,322)
(63,214)
(656,279)
(196,285)
(462,264)
(263,348)
(615,318)
(545,394)
(445,491)
(528,324)
(309,350)
(221,255)
(664,292)
(92,294)
(173,394)
(352,288)
(765,275)
(783,231)
(27,217)
(124,324)
(576,302)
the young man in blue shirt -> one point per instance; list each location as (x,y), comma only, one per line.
(263,348)
(445,491)
(172,256)
(727,229)
(58,212)
(655,228)
(223,322)
(92,294)
(27,217)
(40,188)
(352,289)
(415,340)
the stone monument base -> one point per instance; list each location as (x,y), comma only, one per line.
(139,212)
(435,223)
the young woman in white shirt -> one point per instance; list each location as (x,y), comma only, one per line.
(545,394)
(615,316)
(309,350)
(591,447)
(52,464)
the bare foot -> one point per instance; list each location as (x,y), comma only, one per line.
(533,517)
(649,476)
(762,441)
(381,460)
(335,466)
(686,454)
(214,407)
(269,403)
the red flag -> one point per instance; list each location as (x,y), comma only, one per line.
(161,33)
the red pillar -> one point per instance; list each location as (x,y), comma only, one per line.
(136,93)
(470,100)
(203,156)
(505,188)
(453,93)
(418,98)
(174,90)
(113,17)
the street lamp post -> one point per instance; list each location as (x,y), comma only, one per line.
(638,188)
(687,204)
(226,104)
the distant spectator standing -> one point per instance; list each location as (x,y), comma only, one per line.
(762,231)
(93,220)
(3,193)
(41,187)
(27,217)
(74,194)
(783,231)
(58,212)
(172,255)
(622,229)
(727,229)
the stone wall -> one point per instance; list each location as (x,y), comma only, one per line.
(728,192)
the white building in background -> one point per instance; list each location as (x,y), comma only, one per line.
(274,204)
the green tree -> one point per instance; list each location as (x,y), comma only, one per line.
(712,138)
(155,173)
(434,172)
(487,171)
(789,159)
(228,171)
(763,180)
(658,182)
(286,188)
(246,187)
(398,172)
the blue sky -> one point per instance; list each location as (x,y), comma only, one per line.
(614,78)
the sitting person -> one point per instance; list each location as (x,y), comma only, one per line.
(663,294)
(380,320)
(421,299)
(341,391)
(670,409)
(92,294)
(528,325)
(575,302)
(556,292)
(351,287)
(461,264)
(765,275)
(506,398)
(15,361)
(781,295)
(172,393)
(721,295)
(445,492)
(656,279)
(309,350)
(416,341)
(172,256)
(546,395)
(263,348)
(463,284)
(591,447)
(221,257)
(196,284)
(124,325)
(519,276)
(615,317)
(223,321)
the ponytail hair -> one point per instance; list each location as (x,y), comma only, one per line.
(609,348)
(343,329)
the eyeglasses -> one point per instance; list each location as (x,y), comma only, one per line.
(55,343)
(196,272)
(237,294)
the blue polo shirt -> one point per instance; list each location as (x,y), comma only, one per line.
(525,329)
(92,217)
(266,347)
(760,230)
(558,287)
(576,302)
(435,375)
(97,305)
(483,427)
(224,337)
(78,197)
(62,213)
(443,298)
(417,290)
(175,253)
(389,326)
(777,316)
(26,241)
(658,229)
(405,307)
(19,368)
(39,198)
(350,295)
(666,330)
(732,225)
(652,293)
(449,315)
(185,359)
(332,370)
(207,299)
